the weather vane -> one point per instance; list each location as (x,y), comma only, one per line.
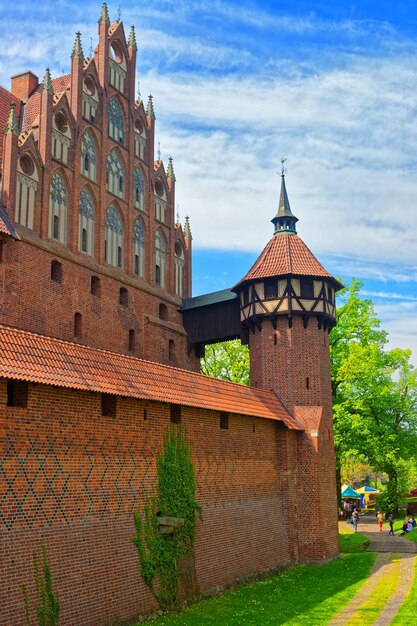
(159,150)
(91,47)
(139,94)
(119,11)
(283,168)
(178,213)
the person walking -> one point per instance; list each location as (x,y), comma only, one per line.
(380,519)
(391,524)
(355,519)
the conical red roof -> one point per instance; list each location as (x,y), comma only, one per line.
(286,254)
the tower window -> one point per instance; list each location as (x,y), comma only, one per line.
(56,272)
(271,288)
(224,420)
(17,393)
(123,297)
(175,413)
(95,286)
(306,288)
(78,321)
(108,405)
(171,350)
(307,383)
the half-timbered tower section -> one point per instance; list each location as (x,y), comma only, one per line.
(90,248)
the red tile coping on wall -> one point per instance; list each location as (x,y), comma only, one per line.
(285,255)
(5,225)
(49,361)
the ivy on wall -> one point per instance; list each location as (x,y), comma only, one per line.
(47,605)
(167,560)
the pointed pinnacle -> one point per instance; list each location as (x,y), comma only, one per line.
(187,229)
(12,126)
(77,50)
(104,16)
(132,39)
(170,170)
(149,109)
(47,82)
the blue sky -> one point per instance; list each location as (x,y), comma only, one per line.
(236,86)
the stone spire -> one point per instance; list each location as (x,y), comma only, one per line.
(104,16)
(284,221)
(77,50)
(132,39)
(170,170)
(187,229)
(12,126)
(47,82)
(149,109)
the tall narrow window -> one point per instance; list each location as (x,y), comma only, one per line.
(56,272)
(86,223)
(123,297)
(114,237)
(117,67)
(179,265)
(224,420)
(140,139)
(78,325)
(88,156)
(17,393)
(175,413)
(139,190)
(26,187)
(160,201)
(171,350)
(116,120)
(138,248)
(163,312)
(95,286)
(115,174)
(160,259)
(108,405)
(131,340)
(61,137)
(58,202)
(90,100)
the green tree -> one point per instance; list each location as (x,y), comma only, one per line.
(228,360)
(374,393)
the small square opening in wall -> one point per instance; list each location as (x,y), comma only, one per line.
(224,420)
(175,413)
(17,393)
(108,405)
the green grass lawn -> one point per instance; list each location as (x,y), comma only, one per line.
(302,595)
(350,542)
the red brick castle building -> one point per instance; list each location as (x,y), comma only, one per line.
(100,340)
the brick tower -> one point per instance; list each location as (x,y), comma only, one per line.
(287,304)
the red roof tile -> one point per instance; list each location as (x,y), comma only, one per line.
(40,359)
(5,225)
(5,99)
(285,255)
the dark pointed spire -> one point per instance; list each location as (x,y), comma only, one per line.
(77,50)
(12,126)
(132,39)
(149,109)
(47,82)
(284,221)
(187,229)
(104,16)
(170,170)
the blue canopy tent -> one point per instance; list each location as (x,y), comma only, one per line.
(348,492)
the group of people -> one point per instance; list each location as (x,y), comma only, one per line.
(351,512)
(408,525)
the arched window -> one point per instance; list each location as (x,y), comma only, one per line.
(90,100)
(95,287)
(117,67)
(139,190)
(58,202)
(179,265)
(140,139)
(86,223)
(116,121)
(160,201)
(115,174)
(160,259)
(138,248)
(114,237)
(88,156)
(61,137)
(26,186)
